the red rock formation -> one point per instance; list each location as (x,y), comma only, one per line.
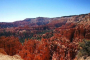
(62,46)
(35,50)
(11,45)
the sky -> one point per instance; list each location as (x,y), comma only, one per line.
(14,10)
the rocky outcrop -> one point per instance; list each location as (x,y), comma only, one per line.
(11,45)
(84,58)
(7,57)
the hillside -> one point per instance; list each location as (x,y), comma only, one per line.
(27,21)
(45,38)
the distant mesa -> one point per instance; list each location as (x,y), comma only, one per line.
(45,20)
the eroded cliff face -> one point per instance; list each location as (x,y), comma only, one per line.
(71,33)
(81,31)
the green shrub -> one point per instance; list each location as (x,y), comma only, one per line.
(84,48)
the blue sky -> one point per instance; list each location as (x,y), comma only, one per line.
(13,10)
